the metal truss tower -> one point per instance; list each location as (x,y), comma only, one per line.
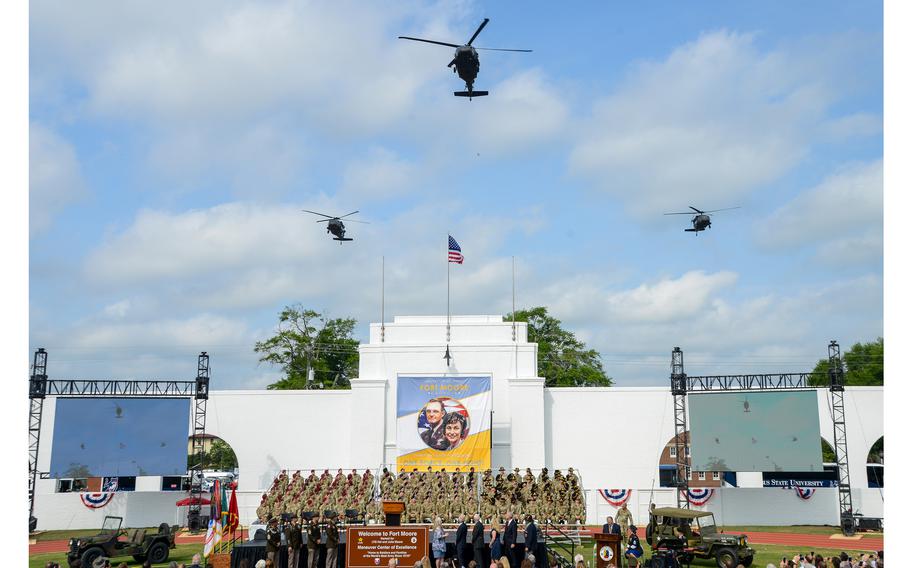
(836,382)
(678,389)
(37,390)
(199,404)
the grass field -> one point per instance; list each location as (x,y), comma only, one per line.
(183,553)
(764,553)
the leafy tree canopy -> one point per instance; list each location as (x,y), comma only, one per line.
(562,359)
(305,340)
(220,457)
(864,365)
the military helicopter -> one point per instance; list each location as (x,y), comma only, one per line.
(466,60)
(701,220)
(335,224)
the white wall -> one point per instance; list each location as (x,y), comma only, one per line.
(64,511)
(612,436)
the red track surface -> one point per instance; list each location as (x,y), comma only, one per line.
(800,540)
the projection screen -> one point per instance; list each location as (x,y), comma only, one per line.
(100,437)
(763,431)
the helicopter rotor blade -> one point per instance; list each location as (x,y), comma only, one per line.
(683,213)
(477,33)
(320,214)
(325,220)
(699,211)
(429,41)
(500,49)
(348,215)
(356,221)
(725,209)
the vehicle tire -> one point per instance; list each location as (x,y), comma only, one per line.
(90,555)
(747,561)
(726,558)
(649,530)
(158,553)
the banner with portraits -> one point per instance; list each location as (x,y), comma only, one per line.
(444,422)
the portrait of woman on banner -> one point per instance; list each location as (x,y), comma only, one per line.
(455,429)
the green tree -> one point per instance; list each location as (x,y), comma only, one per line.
(864,365)
(220,457)
(562,359)
(307,340)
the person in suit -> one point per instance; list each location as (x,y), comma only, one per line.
(461,540)
(530,535)
(611,528)
(510,537)
(477,540)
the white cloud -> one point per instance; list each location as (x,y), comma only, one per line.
(714,121)
(382,174)
(55,177)
(845,211)
(336,63)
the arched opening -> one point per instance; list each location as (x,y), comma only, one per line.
(220,461)
(828,455)
(875,464)
(667,468)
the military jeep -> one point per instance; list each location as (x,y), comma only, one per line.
(694,534)
(139,543)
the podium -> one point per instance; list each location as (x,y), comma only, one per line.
(608,550)
(393,511)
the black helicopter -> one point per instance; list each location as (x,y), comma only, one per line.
(466,60)
(335,224)
(701,220)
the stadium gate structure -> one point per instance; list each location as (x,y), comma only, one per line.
(40,387)
(681,384)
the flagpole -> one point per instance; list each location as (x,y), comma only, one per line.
(382,308)
(448,301)
(514,330)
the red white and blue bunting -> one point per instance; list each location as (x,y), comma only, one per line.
(698,496)
(805,493)
(615,497)
(96,500)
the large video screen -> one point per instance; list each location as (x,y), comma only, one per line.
(98,437)
(766,431)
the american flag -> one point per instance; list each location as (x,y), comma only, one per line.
(455,251)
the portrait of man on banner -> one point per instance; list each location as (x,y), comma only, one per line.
(443,423)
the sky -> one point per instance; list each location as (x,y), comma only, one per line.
(172,146)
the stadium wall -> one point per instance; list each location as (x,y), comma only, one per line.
(613,437)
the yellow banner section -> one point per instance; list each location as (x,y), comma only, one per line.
(473,452)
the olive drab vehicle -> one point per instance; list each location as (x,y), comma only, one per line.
(694,534)
(139,543)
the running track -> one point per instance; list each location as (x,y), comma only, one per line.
(808,541)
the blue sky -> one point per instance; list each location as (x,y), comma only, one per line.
(172,147)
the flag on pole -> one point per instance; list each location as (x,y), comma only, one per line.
(224,504)
(455,251)
(209,539)
(233,519)
(218,533)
